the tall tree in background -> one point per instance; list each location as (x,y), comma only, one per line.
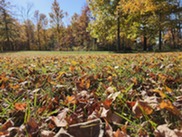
(28,26)
(7,27)
(38,27)
(41,23)
(103,26)
(56,17)
(79,25)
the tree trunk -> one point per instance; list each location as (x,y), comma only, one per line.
(160,33)
(173,38)
(118,34)
(38,35)
(123,44)
(7,31)
(160,39)
(144,43)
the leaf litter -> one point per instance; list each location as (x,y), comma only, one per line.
(91,95)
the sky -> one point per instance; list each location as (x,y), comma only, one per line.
(44,6)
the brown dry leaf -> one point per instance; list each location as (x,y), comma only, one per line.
(108,129)
(109,79)
(45,133)
(124,128)
(112,117)
(141,108)
(166,104)
(32,123)
(9,123)
(20,106)
(104,112)
(58,122)
(32,127)
(135,81)
(93,128)
(165,131)
(162,77)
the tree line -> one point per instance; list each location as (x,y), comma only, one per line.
(118,25)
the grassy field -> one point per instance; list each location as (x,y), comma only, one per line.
(100,93)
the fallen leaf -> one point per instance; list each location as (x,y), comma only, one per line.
(168,89)
(107,103)
(58,122)
(9,123)
(71,100)
(141,108)
(20,106)
(160,92)
(165,131)
(87,84)
(119,133)
(166,104)
(46,133)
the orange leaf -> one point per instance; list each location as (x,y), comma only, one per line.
(119,133)
(87,84)
(107,103)
(72,68)
(70,100)
(20,106)
(166,104)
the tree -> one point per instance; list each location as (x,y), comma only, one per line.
(41,23)
(56,17)
(79,25)
(108,24)
(28,25)
(7,27)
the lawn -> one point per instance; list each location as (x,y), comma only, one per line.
(90,94)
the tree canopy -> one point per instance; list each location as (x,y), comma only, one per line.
(102,25)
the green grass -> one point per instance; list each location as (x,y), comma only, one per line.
(49,82)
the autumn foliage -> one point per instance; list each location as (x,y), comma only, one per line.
(91,95)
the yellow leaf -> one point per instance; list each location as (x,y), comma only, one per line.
(87,84)
(60,74)
(166,104)
(168,89)
(74,63)
(161,93)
